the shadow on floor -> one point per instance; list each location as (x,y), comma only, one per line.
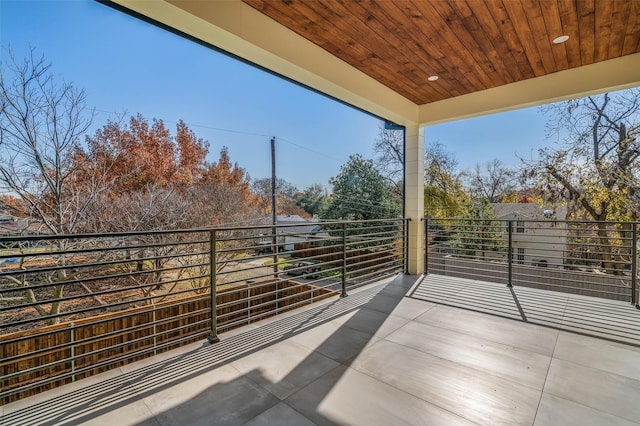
(239,399)
(608,319)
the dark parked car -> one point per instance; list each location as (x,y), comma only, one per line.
(303,268)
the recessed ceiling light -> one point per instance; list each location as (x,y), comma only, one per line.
(561,39)
(433,78)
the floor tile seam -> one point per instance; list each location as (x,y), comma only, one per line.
(442,326)
(375,334)
(126,377)
(154,415)
(292,408)
(477,369)
(581,403)
(597,368)
(277,398)
(604,325)
(541,322)
(617,345)
(601,335)
(406,392)
(546,376)
(311,351)
(312,382)
(481,338)
(611,373)
(564,312)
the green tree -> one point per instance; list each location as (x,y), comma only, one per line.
(444,195)
(480,235)
(312,200)
(361,192)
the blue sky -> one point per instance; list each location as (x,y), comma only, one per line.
(126,65)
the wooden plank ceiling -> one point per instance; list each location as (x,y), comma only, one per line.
(471,45)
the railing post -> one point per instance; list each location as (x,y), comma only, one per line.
(213,332)
(426,246)
(276,267)
(73,351)
(634,265)
(405,246)
(155,331)
(510,254)
(344,260)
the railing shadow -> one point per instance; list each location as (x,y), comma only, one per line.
(591,316)
(100,398)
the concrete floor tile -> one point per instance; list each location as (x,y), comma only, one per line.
(284,367)
(109,383)
(555,411)
(164,356)
(135,413)
(608,392)
(347,397)
(514,333)
(475,395)
(402,307)
(281,415)
(372,322)
(520,366)
(598,353)
(107,406)
(221,396)
(333,340)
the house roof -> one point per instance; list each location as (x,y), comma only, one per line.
(304,226)
(19,226)
(528,211)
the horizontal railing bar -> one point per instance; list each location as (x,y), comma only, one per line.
(95,293)
(95,352)
(94,308)
(116,333)
(82,265)
(99,365)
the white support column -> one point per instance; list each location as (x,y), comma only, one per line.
(414,196)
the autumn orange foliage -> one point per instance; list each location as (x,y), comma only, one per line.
(142,157)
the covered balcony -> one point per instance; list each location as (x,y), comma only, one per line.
(375,357)
(382,322)
(331,332)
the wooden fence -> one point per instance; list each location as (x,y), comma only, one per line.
(356,259)
(63,353)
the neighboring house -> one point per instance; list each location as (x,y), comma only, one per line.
(297,230)
(539,235)
(302,231)
(12,225)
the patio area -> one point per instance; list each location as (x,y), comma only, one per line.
(377,357)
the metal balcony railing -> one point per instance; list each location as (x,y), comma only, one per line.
(76,305)
(589,258)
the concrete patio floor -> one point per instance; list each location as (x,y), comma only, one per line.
(376,357)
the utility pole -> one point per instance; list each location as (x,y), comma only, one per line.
(274,208)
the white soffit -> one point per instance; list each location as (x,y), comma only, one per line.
(241,30)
